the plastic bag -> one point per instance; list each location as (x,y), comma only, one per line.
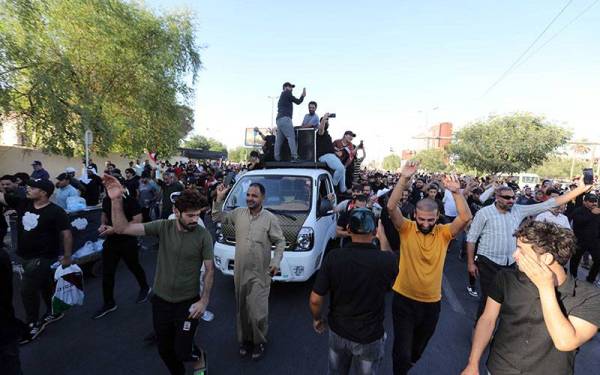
(75,204)
(69,288)
(87,249)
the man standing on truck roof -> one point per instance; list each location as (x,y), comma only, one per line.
(285,127)
(256,229)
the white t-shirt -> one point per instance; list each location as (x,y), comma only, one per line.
(560,219)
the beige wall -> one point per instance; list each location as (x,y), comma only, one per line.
(15,159)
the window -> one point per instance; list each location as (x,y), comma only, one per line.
(286,193)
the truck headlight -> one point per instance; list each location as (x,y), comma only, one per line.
(306,239)
(219,233)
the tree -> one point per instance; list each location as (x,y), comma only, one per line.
(391,162)
(200,142)
(239,154)
(110,66)
(510,144)
(433,160)
(558,167)
(578,149)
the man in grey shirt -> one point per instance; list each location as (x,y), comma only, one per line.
(311,119)
(493,228)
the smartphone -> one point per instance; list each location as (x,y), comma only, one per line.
(227,180)
(588,176)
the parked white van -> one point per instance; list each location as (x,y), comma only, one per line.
(298,196)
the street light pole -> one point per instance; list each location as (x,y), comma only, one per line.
(272,108)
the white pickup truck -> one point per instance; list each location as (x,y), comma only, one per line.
(298,196)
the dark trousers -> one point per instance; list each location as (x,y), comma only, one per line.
(37,281)
(487,274)
(414,324)
(582,248)
(175,333)
(9,358)
(111,254)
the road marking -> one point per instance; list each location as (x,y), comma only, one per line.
(451,296)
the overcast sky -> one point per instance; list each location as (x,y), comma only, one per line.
(383,66)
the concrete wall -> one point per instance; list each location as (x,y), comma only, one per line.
(15,159)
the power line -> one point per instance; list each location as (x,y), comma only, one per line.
(559,31)
(514,64)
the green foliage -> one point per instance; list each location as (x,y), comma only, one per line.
(433,160)
(239,154)
(510,144)
(200,142)
(559,167)
(110,66)
(391,162)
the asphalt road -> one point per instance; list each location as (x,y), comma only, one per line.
(114,344)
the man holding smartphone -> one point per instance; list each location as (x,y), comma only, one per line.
(255,230)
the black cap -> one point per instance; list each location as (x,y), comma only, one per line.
(350,132)
(36,162)
(590,197)
(287,84)
(62,176)
(42,184)
(362,221)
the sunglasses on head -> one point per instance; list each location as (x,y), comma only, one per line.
(508,197)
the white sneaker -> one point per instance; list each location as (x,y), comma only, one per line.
(472,292)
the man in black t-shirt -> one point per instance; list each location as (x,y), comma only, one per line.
(326,154)
(40,226)
(117,246)
(357,279)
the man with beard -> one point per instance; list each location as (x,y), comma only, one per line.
(418,287)
(494,225)
(255,230)
(417,192)
(184,246)
(311,119)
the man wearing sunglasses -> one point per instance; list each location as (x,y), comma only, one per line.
(494,225)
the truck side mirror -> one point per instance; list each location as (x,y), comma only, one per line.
(325,207)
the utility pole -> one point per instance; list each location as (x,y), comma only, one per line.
(272,108)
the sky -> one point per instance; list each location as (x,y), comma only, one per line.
(383,66)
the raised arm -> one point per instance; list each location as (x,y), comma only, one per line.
(405,174)
(115,191)
(464,213)
(566,198)
(322,124)
(217,211)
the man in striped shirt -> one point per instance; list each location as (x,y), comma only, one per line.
(492,230)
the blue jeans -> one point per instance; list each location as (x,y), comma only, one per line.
(285,129)
(345,354)
(339,174)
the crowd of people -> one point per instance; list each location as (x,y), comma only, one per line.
(522,247)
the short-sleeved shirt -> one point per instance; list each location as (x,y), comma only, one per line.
(422,258)
(38,229)
(131,208)
(358,277)
(61,195)
(180,258)
(312,120)
(522,344)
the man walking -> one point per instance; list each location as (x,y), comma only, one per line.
(38,171)
(256,229)
(285,127)
(117,247)
(177,303)
(586,226)
(357,278)
(41,225)
(171,185)
(64,190)
(418,287)
(494,225)
(544,314)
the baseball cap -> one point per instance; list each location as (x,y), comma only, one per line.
(36,162)
(350,132)
(362,221)
(42,184)
(70,170)
(287,84)
(62,176)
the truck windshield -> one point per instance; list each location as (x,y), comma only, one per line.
(283,193)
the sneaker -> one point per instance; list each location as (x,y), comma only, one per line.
(207,316)
(258,352)
(51,318)
(472,292)
(245,349)
(33,331)
(143,295)
(106,309)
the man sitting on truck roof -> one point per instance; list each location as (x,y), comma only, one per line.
(326,154)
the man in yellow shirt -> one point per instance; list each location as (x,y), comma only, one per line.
(418,286)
